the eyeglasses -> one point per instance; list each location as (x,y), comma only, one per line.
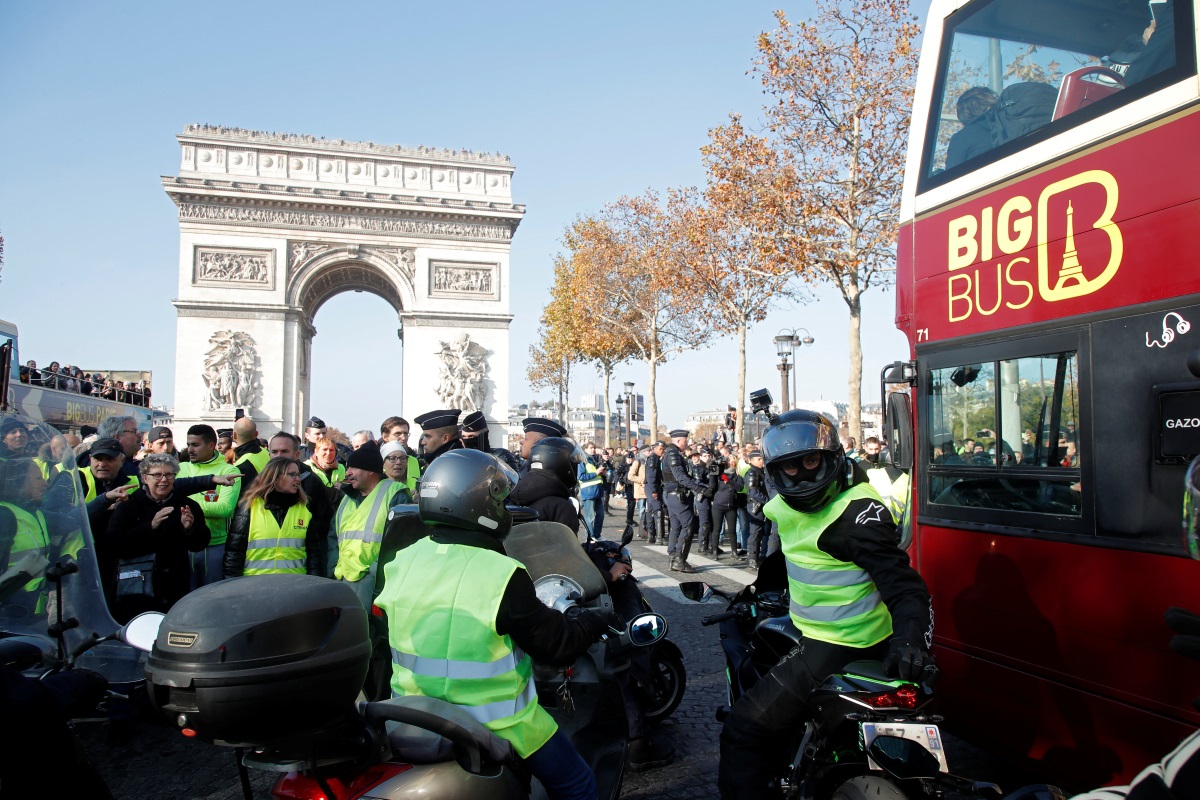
(396,459)
(161,476)
(291,474)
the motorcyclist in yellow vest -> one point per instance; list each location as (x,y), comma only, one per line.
(357,529)
(853,593)
(464,623)
(891,482)
(272,531)
(250,457)
(27,544)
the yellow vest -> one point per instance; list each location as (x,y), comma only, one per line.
(32,536)
(257,460)
(360,531)
(336,476)
(272,548)
(89,484)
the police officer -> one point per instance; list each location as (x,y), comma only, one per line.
(439,434)
(678,490)
(757,497)
(853,593)
(536,429)
(459,579)
(654,492)
(550,481)
(475,436)
(706,472)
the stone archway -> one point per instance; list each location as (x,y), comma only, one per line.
(272,226)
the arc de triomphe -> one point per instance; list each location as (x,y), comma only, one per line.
(273,225)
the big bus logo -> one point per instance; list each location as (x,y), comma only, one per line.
(1061,272)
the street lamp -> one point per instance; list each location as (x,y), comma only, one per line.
(629,412)
(797,343)
(620,425)
(783,346)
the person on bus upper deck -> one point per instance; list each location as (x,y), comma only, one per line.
(1149,51)
(974,137)
(854,594)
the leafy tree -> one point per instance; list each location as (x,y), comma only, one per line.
(840,90)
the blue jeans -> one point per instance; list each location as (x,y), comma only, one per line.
(743,527)
(593,514)
(562,771)
(208,566)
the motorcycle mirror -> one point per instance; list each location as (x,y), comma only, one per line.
(627,537)
(142,631)
(699,591)
(903,758)
(647,629)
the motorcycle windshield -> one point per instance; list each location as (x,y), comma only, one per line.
(43,531)
(550,548)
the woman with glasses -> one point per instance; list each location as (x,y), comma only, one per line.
(152,533)
(272,532)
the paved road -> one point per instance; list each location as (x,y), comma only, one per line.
(158,763)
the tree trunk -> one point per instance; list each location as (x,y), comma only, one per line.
(741,401)
(653,363)
(607,415)
(854,417)
(566,394)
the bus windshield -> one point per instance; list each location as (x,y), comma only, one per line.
(1010,68)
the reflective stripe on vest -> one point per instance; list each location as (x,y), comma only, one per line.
(831,600)
(32,536)
(89,484)
(272,548)
(590,468)
(441,600)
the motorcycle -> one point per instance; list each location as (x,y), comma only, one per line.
(659,676)
(865,734)
(277,673)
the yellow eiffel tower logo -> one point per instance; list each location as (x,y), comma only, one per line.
(1071,269)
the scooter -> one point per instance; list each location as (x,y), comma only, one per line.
(865,734)
(277,671)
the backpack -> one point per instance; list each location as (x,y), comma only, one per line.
(1021,108)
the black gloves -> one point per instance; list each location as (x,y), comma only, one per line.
(908,660)
(597,620)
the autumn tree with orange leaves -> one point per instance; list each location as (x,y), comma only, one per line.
(558,345)
(626,264)
(840,89)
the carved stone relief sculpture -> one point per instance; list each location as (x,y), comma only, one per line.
(477,281)
(463,374)
(250,268)
(230,376)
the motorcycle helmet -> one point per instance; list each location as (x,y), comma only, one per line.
(557,455)
(467,489)
(795,435)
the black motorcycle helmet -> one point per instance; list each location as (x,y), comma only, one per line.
(794,435)
(559,456)
(467,489)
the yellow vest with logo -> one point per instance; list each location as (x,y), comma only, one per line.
(441,601)
(831,601)
(360,531)
(272,548)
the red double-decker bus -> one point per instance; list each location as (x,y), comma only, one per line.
(1048,284)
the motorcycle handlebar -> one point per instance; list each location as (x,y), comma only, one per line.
(715,618)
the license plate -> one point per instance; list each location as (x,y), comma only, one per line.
(928,736)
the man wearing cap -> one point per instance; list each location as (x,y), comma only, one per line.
(218,504)
(161,440)
(475,436)
(402,468)
(314,431)
(757,498)
(357,530)
(439,433)
(679,488)
(224,440)
(536,429)
(248,454)
(14,438)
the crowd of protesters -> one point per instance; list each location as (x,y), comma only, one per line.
(73,379)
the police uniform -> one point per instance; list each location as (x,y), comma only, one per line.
(703,475)
(543,426)
(445,418)
(654,496)
(679,488)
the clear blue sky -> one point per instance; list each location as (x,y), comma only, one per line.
(591,101)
